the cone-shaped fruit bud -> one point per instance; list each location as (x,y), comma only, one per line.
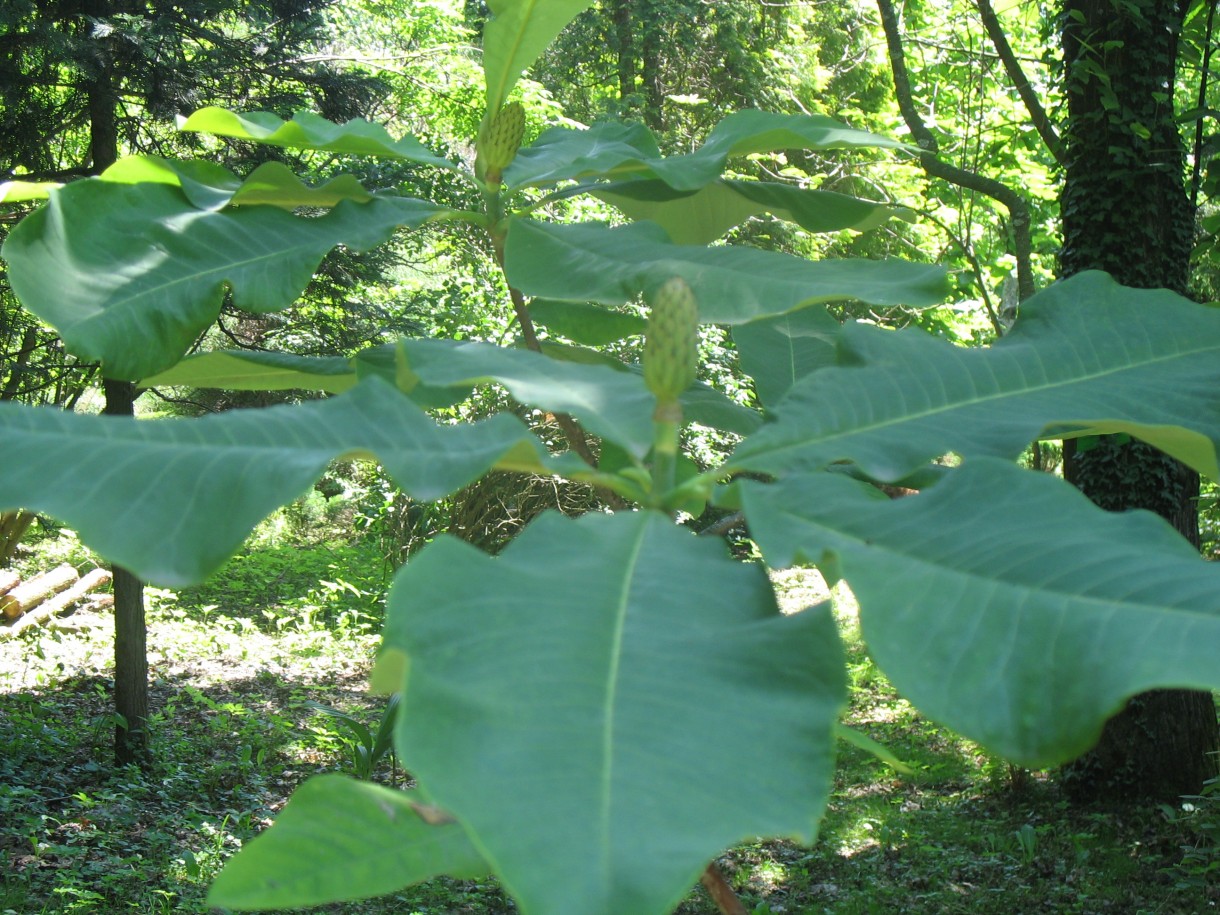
(499,144)
(671,347)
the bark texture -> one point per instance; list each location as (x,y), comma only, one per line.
(1125,210)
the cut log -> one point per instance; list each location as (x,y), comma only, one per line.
(8,580)
(33,592)
(61,602)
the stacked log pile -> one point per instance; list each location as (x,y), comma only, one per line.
(24,604)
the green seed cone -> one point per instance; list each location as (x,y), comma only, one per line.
(671,348)
(500,142)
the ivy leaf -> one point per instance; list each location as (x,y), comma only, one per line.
(517,34)
(1086,356)
(306,130)
(172,499)
(583,709)
(131,274)
(593,262)
(702,216)
(339,839)
(1023,642)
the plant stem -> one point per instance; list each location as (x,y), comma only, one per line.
(722,894)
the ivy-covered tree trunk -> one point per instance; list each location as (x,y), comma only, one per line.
(1125,210)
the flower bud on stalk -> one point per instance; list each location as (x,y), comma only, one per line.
(671,358)
(671,347)
(498,145)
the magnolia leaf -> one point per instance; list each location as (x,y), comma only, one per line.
(517,34)
(610,403)
(583,322)
(1085,356)
(339,839)
(567,702)
(701,217)
(630,151)
(606,149)
(779,351)
(1023,642)
(306,130)
(25,191)
(593,262)
(172,499)
(250,370)
(131,274)
(701,403)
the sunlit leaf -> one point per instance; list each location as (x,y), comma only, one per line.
(25,191)
(310,131)
(579,717)
(248,370)
(1021,641)
(517,34)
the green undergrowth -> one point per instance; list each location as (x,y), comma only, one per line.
(236,664)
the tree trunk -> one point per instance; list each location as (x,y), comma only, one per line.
(1125,210)
(130,632)
(624,36)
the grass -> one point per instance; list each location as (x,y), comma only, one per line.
(235,664)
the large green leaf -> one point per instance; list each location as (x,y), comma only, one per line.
(131,274)
(609,150)
(779,351)
(593,262)
(566,704)
(1002,602)
(516,36)
(306,130)
(700,217)
(340,839)
(1086,355)
(172,499)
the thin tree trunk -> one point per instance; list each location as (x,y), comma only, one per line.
(1125,210)
(130,628)
(130,632)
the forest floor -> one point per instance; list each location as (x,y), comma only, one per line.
(235,664)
